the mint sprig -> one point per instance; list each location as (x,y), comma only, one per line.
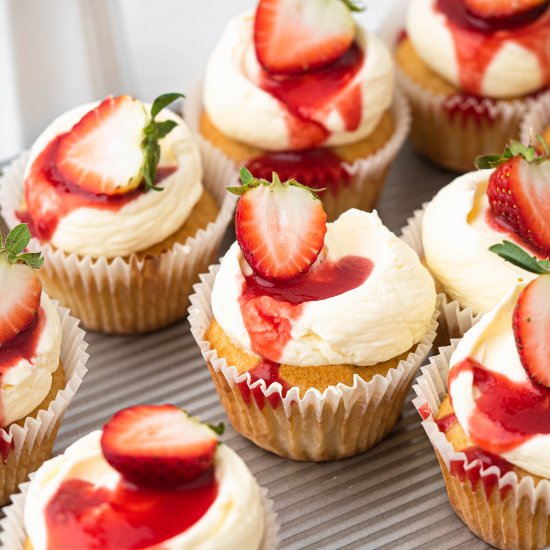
(17,240)
(152,133)
(518,256)
(515,149)
(248,181)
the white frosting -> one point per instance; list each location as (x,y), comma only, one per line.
(142,222)
(514,70)
(235,520)
(491,343)
(26,384)
(378,320)
(245,112)
(457,238)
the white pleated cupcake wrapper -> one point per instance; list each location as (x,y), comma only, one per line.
(180,262)
(431,389)
(536,120)
(13,534)
(73,358)
(456,320)
(371,393)
(371,168)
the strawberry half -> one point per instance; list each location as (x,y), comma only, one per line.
(158,445)
(102,153)
(532,329)
(20,285)
(519,193)
(495,9)
(293,36)
(280,227)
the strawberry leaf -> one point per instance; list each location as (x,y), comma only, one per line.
(518,256)
(16,242)
(218,428)
(515,149)
(152,133)
(246,176)
(354,5)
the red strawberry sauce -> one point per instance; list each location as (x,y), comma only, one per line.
(477,41)
(49,197)
(307,95)
(125,518)
(23,346)
(269,309)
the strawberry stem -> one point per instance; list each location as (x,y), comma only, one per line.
(16,242)
(515,149)
(518,256)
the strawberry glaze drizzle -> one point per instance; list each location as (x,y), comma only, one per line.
(22,347)
(125,518)
(478,41)
(270,308)
(307,96)
(49,196)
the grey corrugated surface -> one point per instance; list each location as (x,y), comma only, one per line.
(391,497)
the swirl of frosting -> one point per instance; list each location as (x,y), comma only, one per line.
(235,519)
(457,233)
(499,64)
(27,380)
(497,404)
(238,105)
(383,314)
(146,219)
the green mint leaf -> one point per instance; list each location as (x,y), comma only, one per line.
(354,5)
(32,259)
(246,176)
(218,428)
(518,256)
(18,239)
(164,128)
(163,101)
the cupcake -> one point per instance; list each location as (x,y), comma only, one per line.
(300,88)
(509,201)
(470,69)
(312,332)
(485,404)
(42,362)
(113,197)
(155,477)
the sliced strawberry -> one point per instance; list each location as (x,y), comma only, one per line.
(493,9)
(532,329)
(519,194)
(293,36)
(102,153)
(280,227)
(158,445)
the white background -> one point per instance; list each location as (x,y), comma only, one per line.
(55,54)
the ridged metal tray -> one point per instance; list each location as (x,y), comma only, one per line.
(390,497)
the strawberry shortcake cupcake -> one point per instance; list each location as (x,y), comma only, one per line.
(155,477)
(508,199)
(300,88)
(114,197)
(312,331)
(42,362)
(470,69)
(486,408)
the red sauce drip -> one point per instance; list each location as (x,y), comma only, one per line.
(309,95)
(125,518)
(23,346)
(311,167)
(507,413)
(445,423)
(268,371)
(424,411)
(478,41)
(6,445)
(49,196)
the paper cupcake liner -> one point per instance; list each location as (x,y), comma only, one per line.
(29,445)
(342,421)
(452,130)
(501,509)
(536,120)
(13,535)
(128,295)
(366,176)
(455,319)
